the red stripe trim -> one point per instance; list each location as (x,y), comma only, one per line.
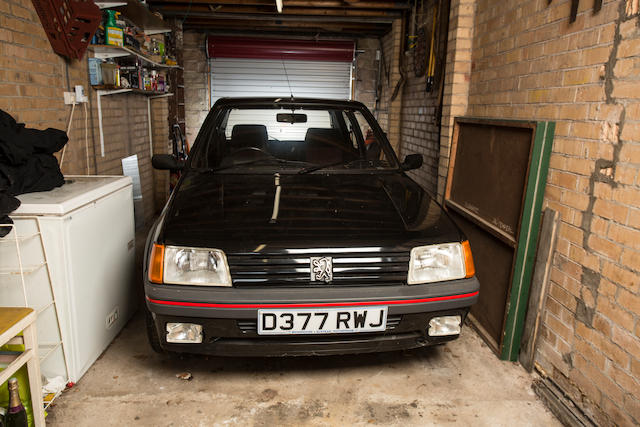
(325,304)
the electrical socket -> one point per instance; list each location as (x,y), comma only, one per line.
(76,97)
(80,96)
(69,98)
(112,317)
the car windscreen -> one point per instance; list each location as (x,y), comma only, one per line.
(293,138)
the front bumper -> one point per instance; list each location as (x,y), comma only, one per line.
(228,316)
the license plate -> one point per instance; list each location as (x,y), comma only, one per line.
(322,320)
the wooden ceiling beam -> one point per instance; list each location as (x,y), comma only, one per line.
(280,17)
(288,33)
(320,12)
(300,28)
(340,34)
(368,4)
(401,5)
(249,24)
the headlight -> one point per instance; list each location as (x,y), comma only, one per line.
(435,263)
(189,266)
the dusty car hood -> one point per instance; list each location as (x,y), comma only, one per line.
(233,212)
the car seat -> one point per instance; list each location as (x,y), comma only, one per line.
(248,136)
(324,145)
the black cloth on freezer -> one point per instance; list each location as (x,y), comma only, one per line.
(27,163)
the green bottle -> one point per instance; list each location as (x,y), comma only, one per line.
(17,415)
(112,33)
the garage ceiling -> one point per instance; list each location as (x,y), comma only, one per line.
(299,17)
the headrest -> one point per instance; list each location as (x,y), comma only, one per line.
(324,137)
(249,136)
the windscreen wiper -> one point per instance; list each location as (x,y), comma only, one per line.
(328,165)
(253,162)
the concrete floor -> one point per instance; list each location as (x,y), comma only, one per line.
(459,383)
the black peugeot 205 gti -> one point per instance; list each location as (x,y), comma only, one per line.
(294,230)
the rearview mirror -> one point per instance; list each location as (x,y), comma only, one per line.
(166,162)
(412,161)
(291,118)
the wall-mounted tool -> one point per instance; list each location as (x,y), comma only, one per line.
(574,10)
(431,69)
(573,14)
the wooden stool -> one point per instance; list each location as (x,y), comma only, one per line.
(14,320)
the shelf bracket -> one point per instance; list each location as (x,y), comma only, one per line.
(149,119)
(100,94)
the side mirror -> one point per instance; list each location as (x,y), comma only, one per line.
(166,161)
(412,161)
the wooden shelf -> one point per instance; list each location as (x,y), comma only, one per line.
(110,4)
(13,320)
(104,51)
(140,15)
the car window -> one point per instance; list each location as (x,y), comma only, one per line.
(361,133)
(280,138)
(277,130)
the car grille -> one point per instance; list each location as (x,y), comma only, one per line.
(250,325)
(351,269)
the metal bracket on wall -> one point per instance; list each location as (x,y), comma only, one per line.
(100,93)
(149,119)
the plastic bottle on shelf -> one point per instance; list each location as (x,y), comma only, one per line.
(113,33)
(154,80)
(161,83)
(146,80)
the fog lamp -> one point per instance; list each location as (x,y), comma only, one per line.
(185,333)
(444,325)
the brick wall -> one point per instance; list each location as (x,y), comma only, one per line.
(366,72)
(365,91)
(369,71)
(32,80)
(457,75)
(196,83)
(382,112)
(392,43)
(420,128)
(529,62)
(161,145)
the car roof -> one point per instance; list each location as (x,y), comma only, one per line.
(287,101)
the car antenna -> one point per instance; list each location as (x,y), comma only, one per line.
(287,76)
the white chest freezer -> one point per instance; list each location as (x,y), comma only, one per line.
(87,228)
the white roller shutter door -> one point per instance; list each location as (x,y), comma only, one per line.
(232,77)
